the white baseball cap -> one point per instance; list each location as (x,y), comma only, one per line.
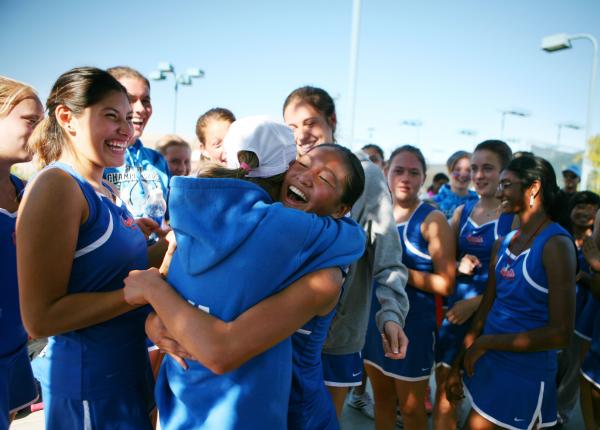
(272,141)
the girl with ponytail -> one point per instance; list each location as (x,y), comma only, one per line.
(76,242)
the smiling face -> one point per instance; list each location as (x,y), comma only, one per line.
(460,176)
(310,126)
(141,105)
(583,214)
(511,195)
(485,168)
(214,133)
(102,132)
(16,128)
(315,183)
(179,160)
(405,177)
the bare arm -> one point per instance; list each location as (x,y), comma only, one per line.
(45,256)
(441,247)
(222,346)
(561,309)
(454,389)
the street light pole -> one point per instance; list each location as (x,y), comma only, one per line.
(353,67)
(561,41)
(166,68)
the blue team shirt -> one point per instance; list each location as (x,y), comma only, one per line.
(235,247)
(310,405)
(477,240)
(144,170)
(521,302)
(97,361)
(447,200)
(415,256)
(13,333)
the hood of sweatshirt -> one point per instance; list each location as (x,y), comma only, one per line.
(213,217)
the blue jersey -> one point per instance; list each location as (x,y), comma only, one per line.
(477,240)
(447,200)
(420,324)
(11,327)
(144,170)
(310,405)
(521,302)
(583,294)
(415,256)
(102,359)
(235,247)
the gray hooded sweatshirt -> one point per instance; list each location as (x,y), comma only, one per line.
(381,262)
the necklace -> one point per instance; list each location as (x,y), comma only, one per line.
(529,239)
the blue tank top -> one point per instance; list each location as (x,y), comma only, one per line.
(100,360)
(582,293)
(235,247)
(477,240)
(415,255)
(521,302)
(308,391)
(13,333)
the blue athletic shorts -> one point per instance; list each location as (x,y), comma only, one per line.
(17,387)
(590,369)
(510,400)
(342,370)
(419,359)
(125,410)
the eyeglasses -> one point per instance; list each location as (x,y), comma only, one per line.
(505,185)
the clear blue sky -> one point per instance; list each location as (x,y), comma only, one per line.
(451,64)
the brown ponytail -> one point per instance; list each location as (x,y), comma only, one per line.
(76,89)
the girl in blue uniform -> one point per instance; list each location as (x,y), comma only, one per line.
(20,111)
(428,252)
(76,242)
(527,310)
(476,226)
(255,364)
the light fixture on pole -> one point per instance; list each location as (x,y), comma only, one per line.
(561,41)
(515,112)
(562,125)
(416,123)
(164,69)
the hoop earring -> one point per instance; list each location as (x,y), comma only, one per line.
(531,199)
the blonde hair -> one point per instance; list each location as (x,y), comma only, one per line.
(12,93)
(169,140)
(210,169)
(214,114)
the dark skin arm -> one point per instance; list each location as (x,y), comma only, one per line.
(561,310)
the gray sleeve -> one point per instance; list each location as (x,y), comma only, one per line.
(389,273)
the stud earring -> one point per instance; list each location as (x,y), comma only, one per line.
(531,199)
